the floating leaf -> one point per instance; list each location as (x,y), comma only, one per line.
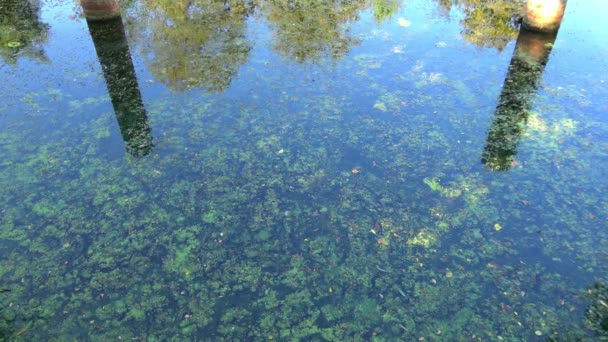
(380,106)
(404,22)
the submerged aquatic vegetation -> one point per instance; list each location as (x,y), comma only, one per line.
(277,203)
(435,185)
(423,238)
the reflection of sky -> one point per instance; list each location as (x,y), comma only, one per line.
(588,18)
(577,65)
(71,57)
(584,29)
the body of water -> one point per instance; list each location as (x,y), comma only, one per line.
(304,170)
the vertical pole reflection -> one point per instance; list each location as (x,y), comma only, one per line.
(525,72)
(115,59)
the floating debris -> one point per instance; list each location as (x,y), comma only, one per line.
(380,106)
(424,238)
(404,22)
(398,49)
(382,242)
(20,332)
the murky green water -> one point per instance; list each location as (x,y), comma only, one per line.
(302,170)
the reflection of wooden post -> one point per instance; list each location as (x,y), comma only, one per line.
(525,71)
(544,15)
(100,9)
(115,59)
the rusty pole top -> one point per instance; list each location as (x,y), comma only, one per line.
(543,15)
(100,9)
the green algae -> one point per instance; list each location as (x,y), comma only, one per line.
(424,238)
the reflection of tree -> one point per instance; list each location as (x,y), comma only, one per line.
(197,43)
(115,59)
(487,23)
(525,71)
(307,30)
(384,9)
(21,32)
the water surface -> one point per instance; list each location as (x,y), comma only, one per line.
(302,170)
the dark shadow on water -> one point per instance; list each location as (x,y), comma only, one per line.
(115,59)
(527,65)
(596,315)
